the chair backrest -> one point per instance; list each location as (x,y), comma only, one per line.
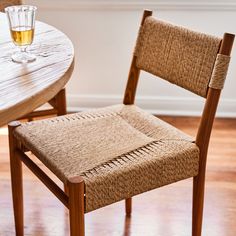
(192,60)
(6,3)
(181,56)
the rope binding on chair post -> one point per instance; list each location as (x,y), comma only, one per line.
(219,72)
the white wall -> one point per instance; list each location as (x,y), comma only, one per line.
(104,33)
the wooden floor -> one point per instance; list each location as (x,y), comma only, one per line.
(162,212)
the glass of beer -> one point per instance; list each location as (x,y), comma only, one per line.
(21,22)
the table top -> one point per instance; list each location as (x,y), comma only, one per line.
(25,87)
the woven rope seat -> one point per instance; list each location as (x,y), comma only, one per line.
(120,151)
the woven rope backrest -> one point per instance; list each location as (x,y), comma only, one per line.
(6,3)
(178,55)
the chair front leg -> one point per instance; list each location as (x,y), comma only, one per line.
(16,181)
(76,206)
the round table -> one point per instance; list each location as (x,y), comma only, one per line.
(25,87)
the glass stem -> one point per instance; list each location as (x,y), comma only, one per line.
(23,49)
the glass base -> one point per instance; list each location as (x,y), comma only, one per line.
(23,57)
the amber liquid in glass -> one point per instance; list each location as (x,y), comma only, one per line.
(22,36)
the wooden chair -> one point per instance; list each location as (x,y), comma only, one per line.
(58,102)
(106,155)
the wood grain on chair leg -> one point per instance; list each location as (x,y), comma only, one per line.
(202,141)
(134,72)
(198,201)
(128,206)
(66,189)
(76,206)
(16,181)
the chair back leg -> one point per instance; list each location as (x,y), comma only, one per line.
(202,141)
(66,189)
(128,206)
(198,200)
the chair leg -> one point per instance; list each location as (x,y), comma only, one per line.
(198,201)
(16,181)
(66,189)
(128,206)
(76,206)
(61,102)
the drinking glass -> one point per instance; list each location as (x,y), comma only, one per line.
(21,23)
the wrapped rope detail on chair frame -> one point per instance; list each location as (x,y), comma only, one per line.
(219,72)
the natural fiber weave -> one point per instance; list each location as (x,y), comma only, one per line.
(220,71)
(155,165)
(120,151)
(7,3)
(178,55)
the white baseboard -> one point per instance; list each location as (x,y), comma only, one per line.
(156,105)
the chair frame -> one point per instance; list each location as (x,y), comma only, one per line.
(73,195)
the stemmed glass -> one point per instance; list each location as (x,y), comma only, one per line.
(21,22)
